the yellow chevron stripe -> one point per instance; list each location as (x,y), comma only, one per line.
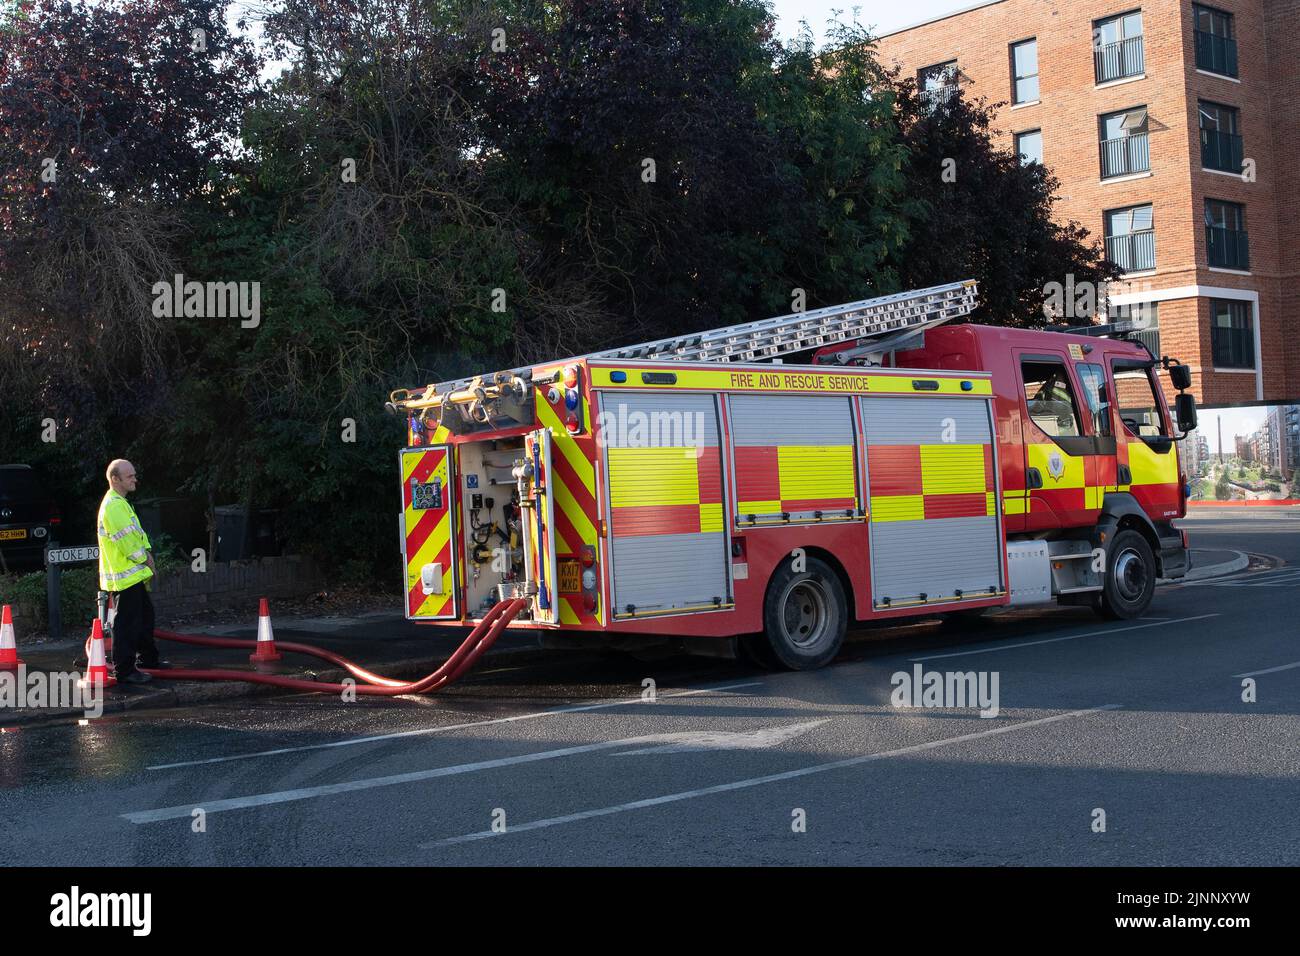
(568,447)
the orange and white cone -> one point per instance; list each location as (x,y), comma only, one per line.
(265,650)
(9,660)
(96,668)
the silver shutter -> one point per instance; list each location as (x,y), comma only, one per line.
(937,557)
(661,572)
(789,420)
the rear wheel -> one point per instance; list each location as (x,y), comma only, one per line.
(1130,577)
(805,615)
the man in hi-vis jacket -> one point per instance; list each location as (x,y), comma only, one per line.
(125,569)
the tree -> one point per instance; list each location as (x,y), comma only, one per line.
(111,121)
(987,215)
(1222,491)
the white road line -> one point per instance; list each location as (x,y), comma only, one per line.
(1053,640)
(1271,670)
(772,738)
(757,781)
(532,715)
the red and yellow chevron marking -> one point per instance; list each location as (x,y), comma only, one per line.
(671,490)
(774,479)
(428,533)
(921,482)
(573,483)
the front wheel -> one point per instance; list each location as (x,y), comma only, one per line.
(805,615)
(1130,577)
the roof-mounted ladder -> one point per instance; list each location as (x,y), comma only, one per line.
(893,316)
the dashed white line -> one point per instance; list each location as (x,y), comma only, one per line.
(1271,670)
(1068,637)
(423,731)
(757,781)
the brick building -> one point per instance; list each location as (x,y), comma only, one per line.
(1174,128)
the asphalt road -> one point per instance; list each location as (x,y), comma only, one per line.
(566,762)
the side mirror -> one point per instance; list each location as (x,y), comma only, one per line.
(1181,377)
(1185,409)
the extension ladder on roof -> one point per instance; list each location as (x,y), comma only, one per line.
(767,339)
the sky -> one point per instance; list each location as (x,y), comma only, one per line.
(880,15)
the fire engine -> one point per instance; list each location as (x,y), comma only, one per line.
(702,490)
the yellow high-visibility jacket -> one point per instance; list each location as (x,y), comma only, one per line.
(123,545)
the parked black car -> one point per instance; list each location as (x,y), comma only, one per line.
(28,516)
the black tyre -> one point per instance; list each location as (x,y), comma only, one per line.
(1130,577)
(805,615)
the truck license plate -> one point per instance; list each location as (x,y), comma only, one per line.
(570,577)
(13,535)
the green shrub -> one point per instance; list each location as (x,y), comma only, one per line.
(77,592)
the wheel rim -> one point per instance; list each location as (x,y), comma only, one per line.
(804,616)
(1130,575)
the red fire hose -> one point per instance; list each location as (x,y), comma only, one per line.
(483,636)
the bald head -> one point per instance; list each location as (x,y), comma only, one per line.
(121,476)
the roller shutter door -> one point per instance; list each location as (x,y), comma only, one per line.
(932,487)
(664,467)
(794,458)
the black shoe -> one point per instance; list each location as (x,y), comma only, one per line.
(155,666)
(135,677)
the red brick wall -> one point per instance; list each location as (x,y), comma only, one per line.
(1068,111)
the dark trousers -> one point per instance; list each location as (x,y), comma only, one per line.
(132,623)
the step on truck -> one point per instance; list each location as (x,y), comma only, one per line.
(760,487)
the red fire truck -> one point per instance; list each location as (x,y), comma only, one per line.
(703,491)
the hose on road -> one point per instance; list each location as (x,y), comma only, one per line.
(482,637)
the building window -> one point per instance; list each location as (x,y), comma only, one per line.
(1216,41)
(1225,235)
(1029,145)
(1221,147)
(937,84)
(1024,70)
(1117,46)
(1131,238)
(1124,148)
(1232,333)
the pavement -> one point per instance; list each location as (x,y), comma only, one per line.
(384,643)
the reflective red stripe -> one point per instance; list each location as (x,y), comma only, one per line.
(894,470)
(956,506)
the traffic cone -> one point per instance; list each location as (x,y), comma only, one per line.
(265,651)
(96,669)
(8,646)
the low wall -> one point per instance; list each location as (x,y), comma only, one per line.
(235,584)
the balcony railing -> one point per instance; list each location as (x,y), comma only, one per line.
(1227,248)
(1125,154)
(1134,251)
(1120,59)
(1221,151)
(1151,339)
(1216,54)
(937,96)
